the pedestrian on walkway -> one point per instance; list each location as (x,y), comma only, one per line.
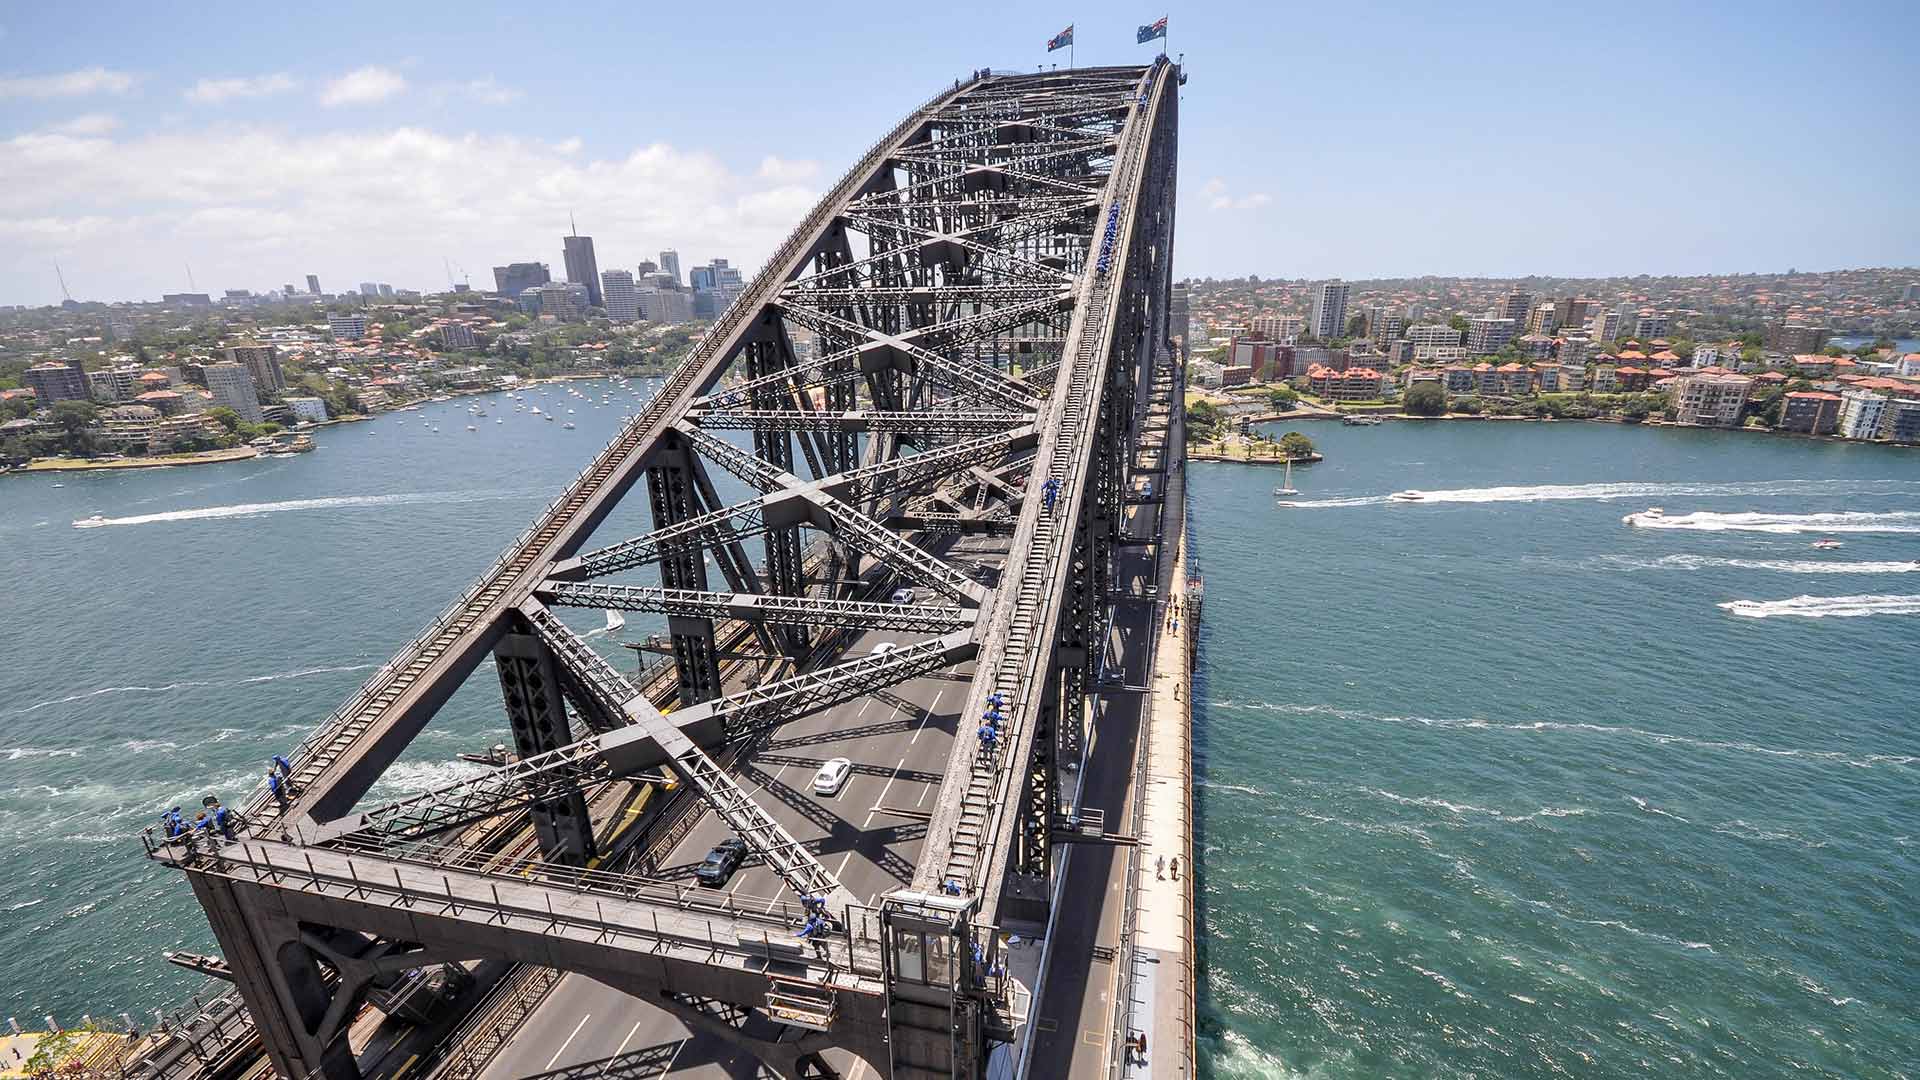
(1176,868)
(1160,868)
(276,786)
(285,768)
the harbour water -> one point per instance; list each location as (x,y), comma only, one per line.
(219,614)
(1491,785)
(1495,785)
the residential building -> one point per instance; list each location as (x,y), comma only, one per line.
(1516,306)
(1907,366)
(455,334)
(369,288)
(1573,311)
(313,284)
(665,306)
(1353,384)
(1516,380)
(1328,318)
(1861,413)
(1440,354)
(232,386)
(1572,351)
(1543,319)
(1180,314)
(1433,334)
(101,387)
(1461,379)
(1488,335)
(311,410)
(1710,355)
(263,363)
(670,264)
(1606,325)
(1794,337)
(1911,293)
(1649,325)
(1810,412)
(514,279)
(1708,400)
(1603,381)
(1486,379)
(1283,329)
(566,301)
(186,299)
(1573,378)
(1902,423)
(1270,361)
(1536,346)
(346,327)
(1385,327)
(621,299)
(52,382)
(582,267)
(386,289)
(1548,376)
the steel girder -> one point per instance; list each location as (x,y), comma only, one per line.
(759,607)
(938,423)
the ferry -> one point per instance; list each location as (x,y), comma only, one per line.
(1408,495)
(1356,420)
(93,522)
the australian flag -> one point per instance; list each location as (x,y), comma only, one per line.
(1155,30)
(1063,39)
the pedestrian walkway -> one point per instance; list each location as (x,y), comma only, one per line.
(1162,976)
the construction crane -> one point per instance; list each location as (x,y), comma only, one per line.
(63,282)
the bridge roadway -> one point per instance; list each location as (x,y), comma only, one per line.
(899,741)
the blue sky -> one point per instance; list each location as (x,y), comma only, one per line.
(370,141)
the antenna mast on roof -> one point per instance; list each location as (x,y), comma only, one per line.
(571,225)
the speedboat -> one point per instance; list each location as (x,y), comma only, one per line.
(93,522)
(1651,512)
(1827,544)
(1408,495)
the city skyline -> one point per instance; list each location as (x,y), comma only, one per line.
(444,143)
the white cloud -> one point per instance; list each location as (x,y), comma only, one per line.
(1218,199)
(363,86)
(215,91)
(93,80)
(250,204)
(487,91)
(791,172)
(87,124)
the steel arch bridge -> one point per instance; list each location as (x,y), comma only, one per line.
(955,344)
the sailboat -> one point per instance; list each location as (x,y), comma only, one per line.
(615,620)
(1286,483)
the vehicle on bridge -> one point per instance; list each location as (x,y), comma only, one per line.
(832,776)
(721,862)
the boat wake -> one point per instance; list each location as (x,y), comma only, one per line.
(1605,492)
(1820,607)
(1784,566)
(1846,521)
(341,502)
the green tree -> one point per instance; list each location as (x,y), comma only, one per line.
(1205,421)
(225,417)
(1460,323)
(1470,405)
(1426,399)
(1357,326)
(1295,445)
(75,419)
(1283,397)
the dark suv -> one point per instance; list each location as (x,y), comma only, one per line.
(721,862)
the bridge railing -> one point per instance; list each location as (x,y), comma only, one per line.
(258,804)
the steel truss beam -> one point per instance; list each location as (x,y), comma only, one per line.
(759,607)
(941,423)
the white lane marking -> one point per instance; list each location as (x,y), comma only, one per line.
(569,1042)
(924,788)
(623,1047)
(675,1057)
(932,707)
(877,803)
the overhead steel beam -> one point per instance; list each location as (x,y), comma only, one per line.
(759,607)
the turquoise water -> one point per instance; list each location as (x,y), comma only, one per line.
(222,613)
(1498,786)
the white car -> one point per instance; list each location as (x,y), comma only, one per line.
(832,776)
(903,596)
(884,648)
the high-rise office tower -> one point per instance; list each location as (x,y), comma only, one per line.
(582,269)
(369,288)
(647,268)
(1329,317)
(515,278)
(622,299)
(313,284)
(670,264)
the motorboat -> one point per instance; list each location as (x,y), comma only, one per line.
(568,426)
(1408,495)
(93,522)
(1651,513)
(1826,544)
